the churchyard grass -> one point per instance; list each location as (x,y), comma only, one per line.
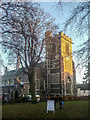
(71,109)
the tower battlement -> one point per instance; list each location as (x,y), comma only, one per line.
(66,37)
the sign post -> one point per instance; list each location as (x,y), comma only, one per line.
(50,106)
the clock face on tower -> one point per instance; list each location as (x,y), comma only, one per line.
(67,57)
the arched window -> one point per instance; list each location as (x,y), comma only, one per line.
(67,48)
(69,79)
(68,85)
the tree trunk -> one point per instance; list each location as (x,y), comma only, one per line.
(32,86)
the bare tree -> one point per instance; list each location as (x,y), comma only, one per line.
(80,22)
(80,19)
(23,28)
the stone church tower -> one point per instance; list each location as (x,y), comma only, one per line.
(59,64)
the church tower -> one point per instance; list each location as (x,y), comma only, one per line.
(67,59)
(59,64)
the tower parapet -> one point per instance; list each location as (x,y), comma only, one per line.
(66,37)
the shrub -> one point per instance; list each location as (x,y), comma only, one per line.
(11,100)
(4,101)
(19,100)
(22,99)
(25,99)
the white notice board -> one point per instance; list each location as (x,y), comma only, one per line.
(50,106)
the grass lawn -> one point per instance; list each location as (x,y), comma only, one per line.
(71,109)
